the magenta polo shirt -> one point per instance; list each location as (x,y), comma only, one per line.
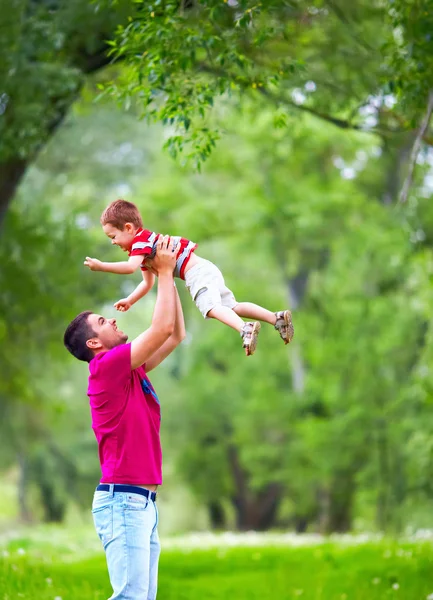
(126,419)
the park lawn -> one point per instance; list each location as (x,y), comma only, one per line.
(328,571)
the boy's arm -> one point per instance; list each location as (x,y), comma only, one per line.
(178,335)
(125,267)
(141,290)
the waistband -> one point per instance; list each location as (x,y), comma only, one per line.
(126,489)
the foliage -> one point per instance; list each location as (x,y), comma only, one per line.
(357,313)
(41,288)
(43,52)
(411,54)
(334,431)
(181,57)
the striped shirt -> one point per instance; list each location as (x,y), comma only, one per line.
(144,244)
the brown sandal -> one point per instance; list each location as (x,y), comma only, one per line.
(249,336)
(284,325)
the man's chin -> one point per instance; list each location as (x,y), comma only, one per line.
(121,339)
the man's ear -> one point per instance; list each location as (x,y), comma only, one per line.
(94,344)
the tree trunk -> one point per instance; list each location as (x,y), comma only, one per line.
(216,515)
(54,508)
(11,174)
(296,288)
(384,487)
(254,510)
(324,508)
(24,511)
(13,170)
(341,497)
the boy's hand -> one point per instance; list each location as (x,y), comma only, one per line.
(165,258)
(93,263)
(122,305)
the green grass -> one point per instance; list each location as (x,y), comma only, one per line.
(330,571)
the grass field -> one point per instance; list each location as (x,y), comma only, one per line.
(49,567)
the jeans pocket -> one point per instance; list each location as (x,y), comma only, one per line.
(135,502)
(103,520)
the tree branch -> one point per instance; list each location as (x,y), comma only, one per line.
(283,100)
(346,21)
(416,148)
(12,172)
(341,123)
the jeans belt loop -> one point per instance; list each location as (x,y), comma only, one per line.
(111,492)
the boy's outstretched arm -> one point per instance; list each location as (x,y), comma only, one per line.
(125,267)
(141,290)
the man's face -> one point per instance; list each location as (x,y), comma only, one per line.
(107,335)
(122,238)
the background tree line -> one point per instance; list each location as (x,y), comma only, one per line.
(309,122)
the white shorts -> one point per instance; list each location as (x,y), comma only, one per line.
(205,283)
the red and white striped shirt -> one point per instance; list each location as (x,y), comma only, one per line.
(144,244)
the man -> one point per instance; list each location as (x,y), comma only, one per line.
(126,420)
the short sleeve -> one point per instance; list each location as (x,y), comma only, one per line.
(112,369)
(140,249)
(143,244)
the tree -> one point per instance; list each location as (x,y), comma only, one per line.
(46,50)
(325,431)
(42,285)
(181,57)
(314,200)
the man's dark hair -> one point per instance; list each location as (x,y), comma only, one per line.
(76,335)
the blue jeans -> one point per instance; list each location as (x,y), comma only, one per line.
(127,527)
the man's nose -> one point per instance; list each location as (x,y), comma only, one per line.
(113,321)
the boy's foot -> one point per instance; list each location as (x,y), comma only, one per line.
(284,325)
(249,336)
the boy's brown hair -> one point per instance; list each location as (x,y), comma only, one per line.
(120,212)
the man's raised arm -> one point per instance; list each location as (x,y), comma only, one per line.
(164,314)
(173,341)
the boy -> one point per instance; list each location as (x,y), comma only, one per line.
(121,222)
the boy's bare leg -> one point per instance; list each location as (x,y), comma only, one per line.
(227,316)
(249,331)
(256,312)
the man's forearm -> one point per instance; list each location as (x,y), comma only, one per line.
(179,324)
(164,313)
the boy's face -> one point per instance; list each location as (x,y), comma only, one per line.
(122,238)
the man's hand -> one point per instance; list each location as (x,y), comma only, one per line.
(122,305)
(165,258)
(93,263)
